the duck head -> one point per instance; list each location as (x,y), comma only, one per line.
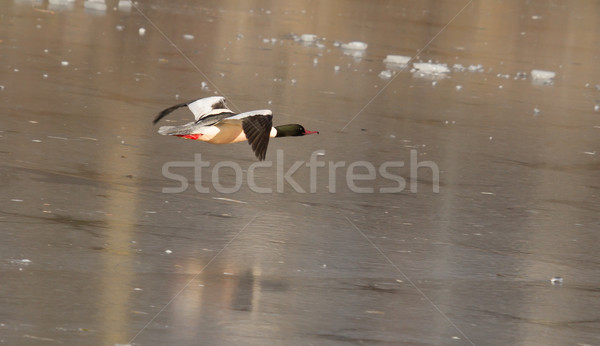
(292,130)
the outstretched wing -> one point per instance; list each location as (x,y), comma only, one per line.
(257,128)
(201,108)
(207,106)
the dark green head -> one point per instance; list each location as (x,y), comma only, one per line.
(292,130)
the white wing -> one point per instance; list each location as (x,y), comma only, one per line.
(241,116)
(207,105)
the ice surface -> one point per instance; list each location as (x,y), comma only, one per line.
(542,74)
(430,68)
(356,45)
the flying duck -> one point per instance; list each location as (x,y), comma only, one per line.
(217,124)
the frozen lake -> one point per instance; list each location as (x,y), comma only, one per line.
(451,202)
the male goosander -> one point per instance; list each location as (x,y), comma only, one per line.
(217,124)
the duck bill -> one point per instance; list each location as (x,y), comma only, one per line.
(306,132)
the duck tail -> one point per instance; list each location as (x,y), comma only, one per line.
(177,130)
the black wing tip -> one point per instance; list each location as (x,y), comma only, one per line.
(167,111)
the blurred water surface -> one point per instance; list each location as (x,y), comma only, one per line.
(93,252)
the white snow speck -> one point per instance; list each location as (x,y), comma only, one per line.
(336,68)
(475,68)
(188,37)
(597,108)
(458,67)
(458,87)
(120,27)
(542,74)
(142,31)
(308,37)
(95,5)
(125,5)
(431,68)
(168,251)
(64,63)
(557,280)
(357,45)
(536,17)
(536,111)
(396,60)
(385,74)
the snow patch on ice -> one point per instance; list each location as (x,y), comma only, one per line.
(398,60)
(431,68)
(542,74)
(385,74)
(355,45)
(308,38)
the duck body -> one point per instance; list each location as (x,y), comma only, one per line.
(216,124)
